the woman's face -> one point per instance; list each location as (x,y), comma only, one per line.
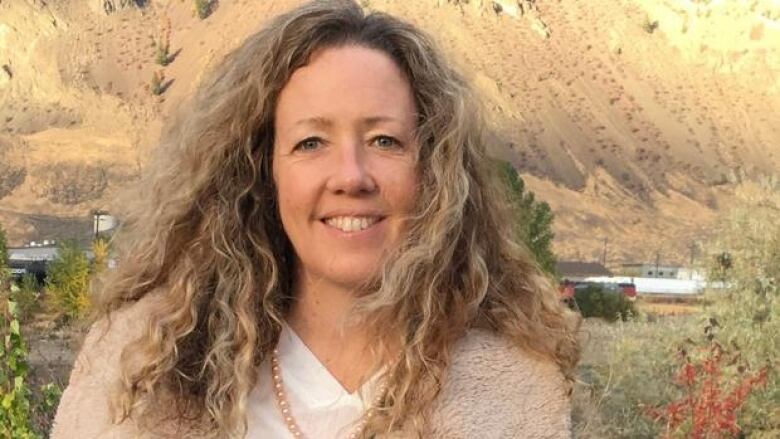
(344,162)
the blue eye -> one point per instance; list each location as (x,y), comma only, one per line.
(308,144)
(386,142)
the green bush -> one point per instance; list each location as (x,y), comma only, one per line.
(156,86)
(595,301)
(44,407)
(67,281)
(14,391)
(202,8)
(162,46)
(161,53)
(16,407)
(3,251)
(26,295)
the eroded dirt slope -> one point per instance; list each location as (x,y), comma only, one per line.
(633,119)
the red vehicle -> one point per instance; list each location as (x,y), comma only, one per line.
(628,290)
(566,289)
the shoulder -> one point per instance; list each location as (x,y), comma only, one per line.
(108,336)
(493,389)
(83,408)
(482,354)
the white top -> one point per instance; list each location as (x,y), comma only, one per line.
(322,408)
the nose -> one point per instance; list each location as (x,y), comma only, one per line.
(350,174)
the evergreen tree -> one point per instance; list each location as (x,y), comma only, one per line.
(533,218)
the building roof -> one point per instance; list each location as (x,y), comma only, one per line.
(650,264)
(32,253)
(581,269)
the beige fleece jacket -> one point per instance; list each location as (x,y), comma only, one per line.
(492,391)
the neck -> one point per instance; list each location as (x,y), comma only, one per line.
(322,309)
(320,318)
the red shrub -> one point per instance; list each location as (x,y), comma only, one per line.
(707,409)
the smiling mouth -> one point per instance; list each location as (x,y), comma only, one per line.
(350,224)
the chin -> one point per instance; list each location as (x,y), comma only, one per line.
(352,276)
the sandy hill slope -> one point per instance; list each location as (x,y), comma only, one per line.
(634,119)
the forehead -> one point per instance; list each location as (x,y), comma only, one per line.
(344,83)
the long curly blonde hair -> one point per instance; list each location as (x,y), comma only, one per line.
(202,232)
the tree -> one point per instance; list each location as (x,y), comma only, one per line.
(100,249)
(3,250)
(68,280)
(533,218)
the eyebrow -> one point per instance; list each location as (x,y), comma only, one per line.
(324,122)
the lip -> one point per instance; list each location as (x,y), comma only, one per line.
(335,213)
(365,233)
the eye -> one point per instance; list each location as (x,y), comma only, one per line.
(308,144)
(386,142)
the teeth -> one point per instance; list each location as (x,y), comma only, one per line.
(351,223)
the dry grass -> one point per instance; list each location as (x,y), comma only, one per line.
(669,307)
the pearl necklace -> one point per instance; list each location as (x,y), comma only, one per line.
(284,405)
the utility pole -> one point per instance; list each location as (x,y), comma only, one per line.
(96,221)
(604,255)
(657,262)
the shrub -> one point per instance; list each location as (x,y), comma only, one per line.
(162,46)
(156,87)
(71,183)
(26,295)
(202,8)
(11,177)
(595,301)
(100,250)
(707,407)
(650,25)
(68,281)
(748,308)
(14,392)
(16,407)
(639,370)
(44,407)
(3,252)
(23,414)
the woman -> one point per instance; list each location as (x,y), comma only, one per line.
(322,254)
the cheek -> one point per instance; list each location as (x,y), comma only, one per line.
(402,188)
(293,198)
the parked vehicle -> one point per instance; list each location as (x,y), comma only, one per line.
(568,288)
(628,290)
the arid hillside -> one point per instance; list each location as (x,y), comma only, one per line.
(634,119)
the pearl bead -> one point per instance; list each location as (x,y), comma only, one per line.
(284,405)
